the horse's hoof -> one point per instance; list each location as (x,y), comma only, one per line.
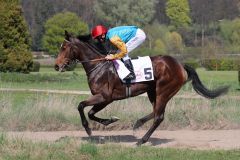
(114,119)
(137,125)
(139,143)
(110,121)
(89,131)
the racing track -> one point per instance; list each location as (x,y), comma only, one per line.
(198,139)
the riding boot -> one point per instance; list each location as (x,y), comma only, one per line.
(129,66)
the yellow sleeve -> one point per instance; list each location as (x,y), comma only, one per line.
(116,41)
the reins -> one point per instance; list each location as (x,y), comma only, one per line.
(85,61)
(93,60)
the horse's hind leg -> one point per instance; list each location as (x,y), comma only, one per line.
(164,94)
(97,108)
(143,120)
(152,97)
(158,118)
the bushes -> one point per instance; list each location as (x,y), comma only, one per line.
(35,66)
(18,60)
(223,64)
(193,63)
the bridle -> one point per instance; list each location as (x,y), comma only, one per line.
(75,60)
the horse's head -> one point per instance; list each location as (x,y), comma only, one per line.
(67,53)
(78,49)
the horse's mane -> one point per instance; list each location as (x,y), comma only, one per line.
(100,47)
(84,38)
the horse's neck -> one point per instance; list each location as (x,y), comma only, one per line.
(89,67)
(88,59)
(98,70)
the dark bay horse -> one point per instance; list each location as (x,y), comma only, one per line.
(106,87)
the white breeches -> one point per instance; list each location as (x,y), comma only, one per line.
(135,42)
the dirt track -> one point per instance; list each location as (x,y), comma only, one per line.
(207,139)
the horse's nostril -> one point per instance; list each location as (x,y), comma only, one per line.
(56,67)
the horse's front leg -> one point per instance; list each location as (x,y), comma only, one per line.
(97,108)
(93,100)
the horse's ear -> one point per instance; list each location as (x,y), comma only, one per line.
(67,35)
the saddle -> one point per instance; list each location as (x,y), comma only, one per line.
(142,68)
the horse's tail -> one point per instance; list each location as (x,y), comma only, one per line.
(200,88)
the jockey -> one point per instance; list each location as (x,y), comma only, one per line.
(125,38)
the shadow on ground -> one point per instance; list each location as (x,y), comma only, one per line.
(123,139)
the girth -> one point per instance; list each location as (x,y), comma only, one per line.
(128,88)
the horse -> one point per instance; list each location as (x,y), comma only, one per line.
(106,87)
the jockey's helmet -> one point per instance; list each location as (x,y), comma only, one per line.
(98,31)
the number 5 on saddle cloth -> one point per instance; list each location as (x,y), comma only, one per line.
(142,68)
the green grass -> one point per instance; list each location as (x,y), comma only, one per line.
(42,111)
(34,111)
(214,79)
(39,111)
(47,78)
(71,149)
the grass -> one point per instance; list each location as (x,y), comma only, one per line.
(219,78)
(214,79)
(47,78)
(53,112)
(50,112)
(33,111)
(70,148)
(39,111)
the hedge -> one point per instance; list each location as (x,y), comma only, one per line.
(222,64)
(35,67)
(193,63)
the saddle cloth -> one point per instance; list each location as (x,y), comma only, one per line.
(142,68)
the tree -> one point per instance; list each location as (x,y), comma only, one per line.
(155,31)
(125,12)
(230,32)
(55,27)
(207,11)
(42,11)
(206,14)
(160,14)
(174,43)
(14,39)
(38,12)
(178,12)
(159,47)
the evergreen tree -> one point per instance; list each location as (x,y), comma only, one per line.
(55,27)
(14,38)
(178,12)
